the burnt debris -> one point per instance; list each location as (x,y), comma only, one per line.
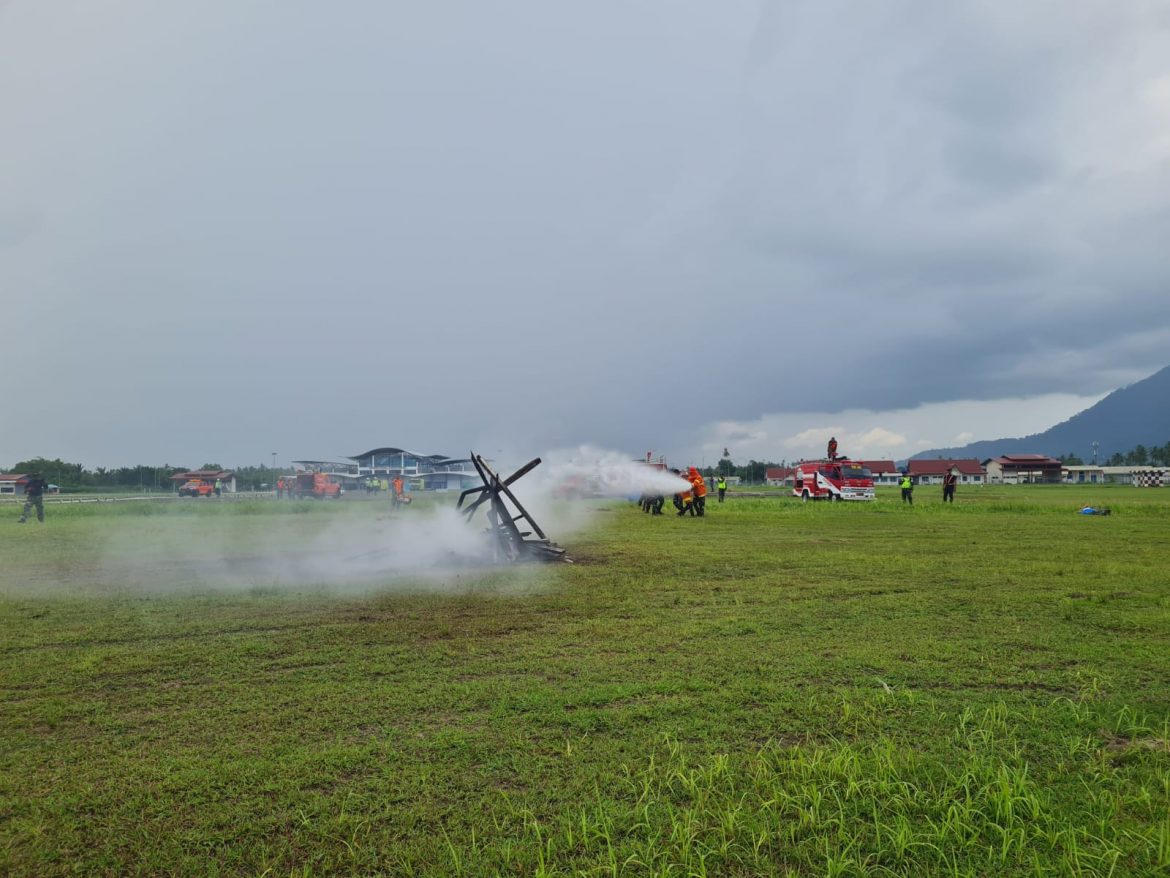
(510,544)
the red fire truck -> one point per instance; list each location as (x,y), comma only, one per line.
(838,479)
(316,486)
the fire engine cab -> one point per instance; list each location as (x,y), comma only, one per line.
(837,479)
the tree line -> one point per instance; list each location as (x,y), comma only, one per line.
(1139,455)
(752,473)
(76,477)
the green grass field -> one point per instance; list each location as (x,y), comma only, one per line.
(775,689)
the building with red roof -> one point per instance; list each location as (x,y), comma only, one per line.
(884,472)
(779,476)
(13,483)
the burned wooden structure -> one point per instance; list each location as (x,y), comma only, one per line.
(510,543)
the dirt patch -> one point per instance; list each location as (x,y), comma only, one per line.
(1121,743)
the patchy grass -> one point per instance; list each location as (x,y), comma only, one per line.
(777,688)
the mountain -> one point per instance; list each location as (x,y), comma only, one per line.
(1134,415)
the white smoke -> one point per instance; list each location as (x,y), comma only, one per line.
(359,543)
(563,492)
(347,546)
(605,473)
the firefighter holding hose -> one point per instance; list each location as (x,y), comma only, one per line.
(698,490)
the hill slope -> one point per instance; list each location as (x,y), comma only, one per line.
(1135,415)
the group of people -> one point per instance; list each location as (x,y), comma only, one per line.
(692,501)
(373,485)
(950,481)
(397,486)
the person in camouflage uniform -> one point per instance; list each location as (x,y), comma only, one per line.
(34,495)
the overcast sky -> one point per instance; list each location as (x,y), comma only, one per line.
(233,227)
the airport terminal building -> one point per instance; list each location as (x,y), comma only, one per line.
(435,472)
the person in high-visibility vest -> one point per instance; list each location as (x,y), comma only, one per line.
(721,487)
(907,489)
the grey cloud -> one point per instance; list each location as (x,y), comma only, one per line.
(535,224)
(17,226)
(989,166)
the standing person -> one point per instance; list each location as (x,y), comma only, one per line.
(34,495)
(698,491)
(682,500)
(397,490)
(949,482)
(280,487)
(218,487)
(721,487)
(832,448)
(907,488)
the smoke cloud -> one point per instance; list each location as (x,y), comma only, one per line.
(359,544)
(609,473)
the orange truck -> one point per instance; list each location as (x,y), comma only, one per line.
(315,486)
(196,488)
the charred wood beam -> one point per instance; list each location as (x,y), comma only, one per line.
(511,542)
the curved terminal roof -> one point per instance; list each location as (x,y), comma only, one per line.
(373,451)
(380,451)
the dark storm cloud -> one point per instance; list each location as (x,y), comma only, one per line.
(531,224)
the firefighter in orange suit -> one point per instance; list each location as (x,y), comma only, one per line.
(699,490)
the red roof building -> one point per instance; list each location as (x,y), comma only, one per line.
(779,476)
(884,472)
(13,483)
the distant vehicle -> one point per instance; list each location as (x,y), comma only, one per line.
(659,464)
(315,486)
(53,489)
(832,480)
(196,488)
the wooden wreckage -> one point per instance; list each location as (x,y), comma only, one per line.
(510,544)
